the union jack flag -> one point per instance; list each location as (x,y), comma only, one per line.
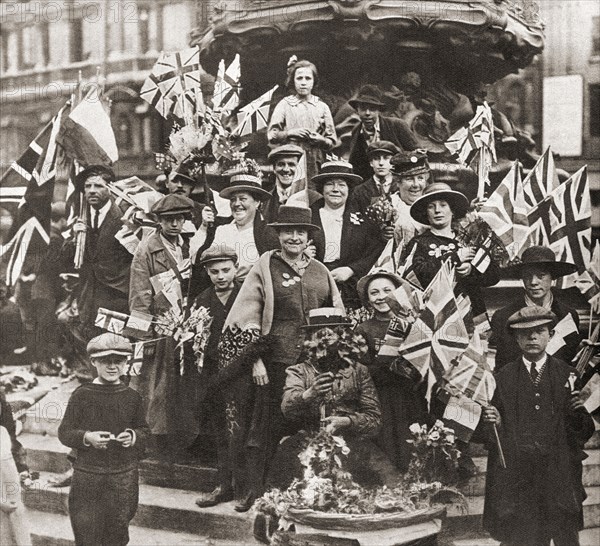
(172,87)
(255,116)
(226,95)
(506,211)
(31,180)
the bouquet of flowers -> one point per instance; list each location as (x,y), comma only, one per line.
(435,455)
(382,213)
(195,328)
(478,234)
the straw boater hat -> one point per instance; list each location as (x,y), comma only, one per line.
(544,258)
(410,163)
(363,283)
(172,204)
(336,168)
(245,182)
(326,317)
(289,216)
(286,150)
(530,317)
(218,253)
(368,94)
(438,191)
(109,344)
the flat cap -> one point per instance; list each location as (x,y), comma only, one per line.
(530,317)
(172,204)
(217,253)
(285,150)
(382,147)
(109,344)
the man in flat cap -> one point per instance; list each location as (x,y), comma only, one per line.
(542,426)
(104,274)
(369,104)
(285,160)
(538,270)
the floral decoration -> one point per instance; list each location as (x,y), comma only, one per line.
(381,212)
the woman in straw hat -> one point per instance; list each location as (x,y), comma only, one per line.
(400,404)
(261,338)
(440,208)
(303,118)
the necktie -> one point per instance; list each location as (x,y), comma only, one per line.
(96,219)
(534,373)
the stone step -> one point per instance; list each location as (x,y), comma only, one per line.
(47,454)
(45,416)
(55,530)
(159,508)
(587,537)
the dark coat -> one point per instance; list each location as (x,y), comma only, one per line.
(104,274)
(363,194)
(506,348)
(360,243)
(562,483)
(392,129)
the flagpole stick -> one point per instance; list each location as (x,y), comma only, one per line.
(499,446)
(590,323)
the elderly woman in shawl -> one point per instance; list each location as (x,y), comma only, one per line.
(261,339)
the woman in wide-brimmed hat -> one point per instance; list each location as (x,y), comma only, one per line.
(440,207)
(264,325)
(303,118)
(350,243)
(401,405)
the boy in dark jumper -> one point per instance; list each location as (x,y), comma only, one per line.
(105,422)
(542,426)
(220,263)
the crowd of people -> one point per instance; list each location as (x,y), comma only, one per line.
(280,277)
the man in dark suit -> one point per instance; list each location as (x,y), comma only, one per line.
(104,274)
(350,245)
(542,426)
(372,127)
(538,270)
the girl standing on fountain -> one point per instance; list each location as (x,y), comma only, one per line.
(303,118)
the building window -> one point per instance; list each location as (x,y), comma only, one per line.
(596,35)
(76,41)
(594,110)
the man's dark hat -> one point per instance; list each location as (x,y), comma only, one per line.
(183,174)
(94,170)
(530,317)
(326,317)
(544,258)
(337,168)
(367,94)
(438,191)
(410,163)
(245,182)
(289,216)
(382,147)
(286,150)
(172,204)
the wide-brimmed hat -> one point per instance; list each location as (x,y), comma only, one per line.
(410,163)
(287,150)
(363,283)
(368,94)
(109,344)
(530,317)
(438,191)
(217,253)
(337,168)
(326,317)
(544,258)
(93,170)
(382,147)
(289,216)
(245,182)
(172,204)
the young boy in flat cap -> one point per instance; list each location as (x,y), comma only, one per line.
(542,426)
(220,262)
(105,422)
